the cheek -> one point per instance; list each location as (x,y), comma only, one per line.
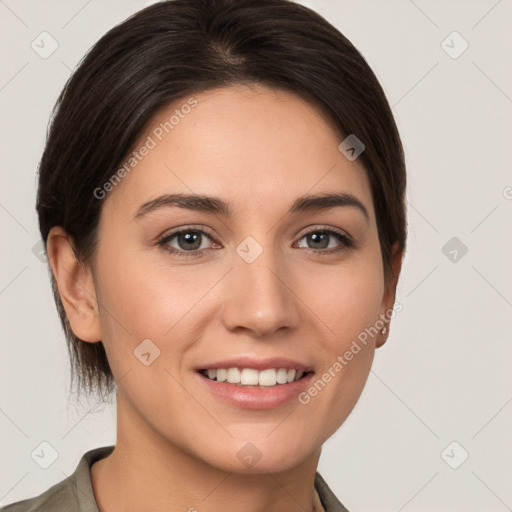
(146,310)
(143,300)
(347,299)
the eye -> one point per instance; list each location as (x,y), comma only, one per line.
(320,239)
(189,242)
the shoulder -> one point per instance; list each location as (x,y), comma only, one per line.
(60,496)
(73,494)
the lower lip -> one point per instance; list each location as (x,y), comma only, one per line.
(256,397)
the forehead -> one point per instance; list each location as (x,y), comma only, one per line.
(252,146)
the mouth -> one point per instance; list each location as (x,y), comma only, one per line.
(248,388)
(251,382)
(251,377)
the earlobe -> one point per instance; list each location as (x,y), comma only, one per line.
(76,286)
(390,294)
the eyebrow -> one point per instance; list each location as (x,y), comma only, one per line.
(215,205)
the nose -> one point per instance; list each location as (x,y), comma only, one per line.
(259,297)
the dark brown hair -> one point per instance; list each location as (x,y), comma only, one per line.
(171,50)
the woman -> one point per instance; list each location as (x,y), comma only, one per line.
(221,196)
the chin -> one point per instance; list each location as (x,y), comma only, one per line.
(259,456)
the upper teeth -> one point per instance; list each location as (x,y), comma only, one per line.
(252,377)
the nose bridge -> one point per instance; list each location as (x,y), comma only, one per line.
(257,297)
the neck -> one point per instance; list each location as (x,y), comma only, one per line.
(146,471)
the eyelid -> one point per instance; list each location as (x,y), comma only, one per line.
(187,227)
(325,227)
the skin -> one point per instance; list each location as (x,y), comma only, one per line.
(177,445)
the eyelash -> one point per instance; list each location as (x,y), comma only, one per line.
(346,242)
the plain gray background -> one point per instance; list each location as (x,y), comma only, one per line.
(444,374)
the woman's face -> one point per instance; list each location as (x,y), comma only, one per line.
(257,280)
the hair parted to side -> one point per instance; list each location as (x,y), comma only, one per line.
(171,50)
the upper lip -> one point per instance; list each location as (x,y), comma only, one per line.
(256,363)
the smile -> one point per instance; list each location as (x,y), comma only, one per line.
(251,377)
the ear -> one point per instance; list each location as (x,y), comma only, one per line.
(390,292)
(76,286)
